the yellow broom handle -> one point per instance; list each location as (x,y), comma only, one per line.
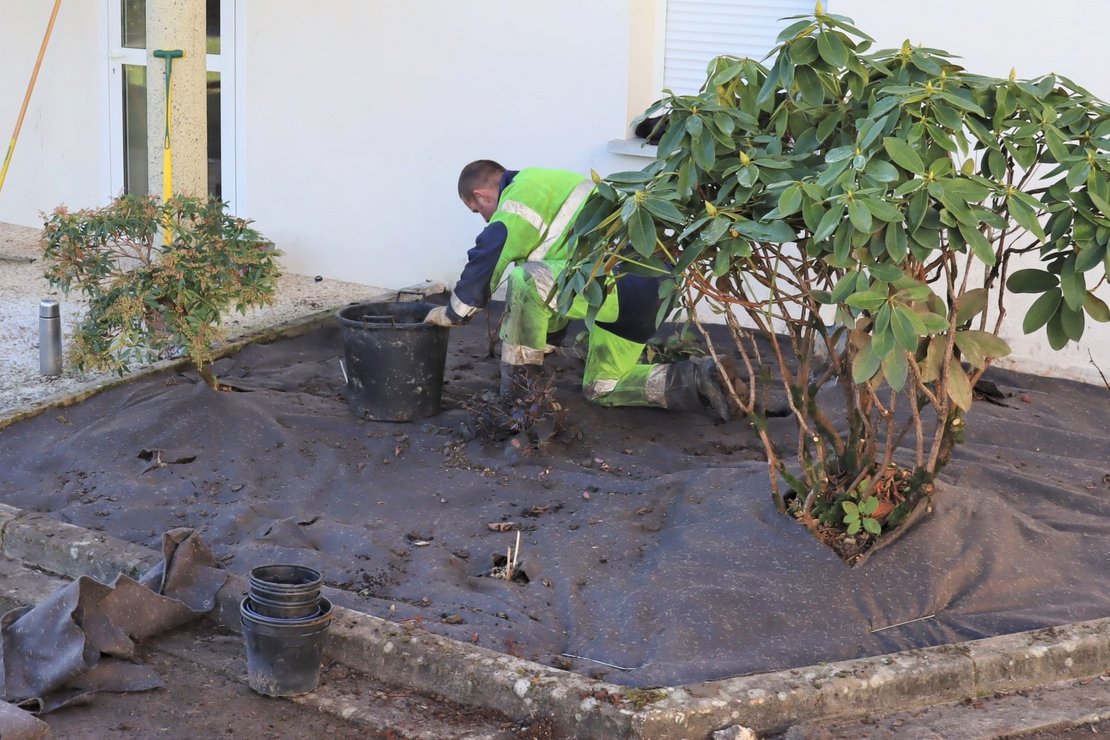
(27,96)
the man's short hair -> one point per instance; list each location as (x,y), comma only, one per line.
(480,173)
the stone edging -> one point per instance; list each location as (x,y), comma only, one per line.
(766,702)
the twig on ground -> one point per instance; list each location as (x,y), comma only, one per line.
(511,558)
(900,624)
(599,662)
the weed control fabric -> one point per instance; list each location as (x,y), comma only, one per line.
(651,552)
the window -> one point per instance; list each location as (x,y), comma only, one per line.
(698,30)
(128,87)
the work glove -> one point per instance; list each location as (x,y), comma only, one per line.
(439,317)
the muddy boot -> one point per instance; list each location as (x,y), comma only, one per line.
(518,380)
(695,385)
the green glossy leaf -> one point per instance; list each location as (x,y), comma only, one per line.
(934,359)
(1054,330)
(1077,175)
(776,232)
(790,200)
(933,323)
(980,346)
(829,222)
(896,242)
(967,190)
(868,300)
(703,148)
(980,245)
(641,231)
(663,209)
(1031,281)
(1096,308)
(832,49)
(971,305)
(1072,285)
(886,272)
(804,50)
(793,30)
(872,526)
(1042,310)
(865,364)
(839,154)
(902,324)
(747,175)
(959,386)
(716,229)
(1025,216)
(868,505)
(671,140)
(895,369)
(883,210)
(637,177)
(1072,322)
(881,170)
(810,85)
(860,216)
(882,342)
(844,288)
(1100,202)
(1089,257)
(961,103)
(904,155)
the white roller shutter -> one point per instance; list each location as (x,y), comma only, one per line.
(698,30)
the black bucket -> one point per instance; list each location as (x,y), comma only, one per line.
(286,591)
(284,656)
(394,361)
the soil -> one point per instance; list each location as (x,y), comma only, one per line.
(652,549)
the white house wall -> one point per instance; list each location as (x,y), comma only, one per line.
(61,155)
(356,121)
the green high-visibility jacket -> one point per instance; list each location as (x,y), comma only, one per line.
(532,221)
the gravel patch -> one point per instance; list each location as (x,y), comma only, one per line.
(22,286)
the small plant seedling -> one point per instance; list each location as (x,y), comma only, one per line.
(859,515)
(510,569)
(511,558)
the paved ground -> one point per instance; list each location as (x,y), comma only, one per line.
(206,694)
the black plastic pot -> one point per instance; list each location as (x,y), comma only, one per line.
(284,656)
(394,361)
(285,609)
(285,591)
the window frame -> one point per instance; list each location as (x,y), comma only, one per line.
(224,63)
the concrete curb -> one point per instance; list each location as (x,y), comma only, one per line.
(767,702)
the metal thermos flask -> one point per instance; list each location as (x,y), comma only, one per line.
(50,337)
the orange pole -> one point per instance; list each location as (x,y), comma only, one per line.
(27,96)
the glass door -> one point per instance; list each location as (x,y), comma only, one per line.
(127,87)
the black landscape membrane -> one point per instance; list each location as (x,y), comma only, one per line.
(653,552)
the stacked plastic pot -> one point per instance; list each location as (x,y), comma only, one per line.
(284,621)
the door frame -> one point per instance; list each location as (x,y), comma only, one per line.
(224,63)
